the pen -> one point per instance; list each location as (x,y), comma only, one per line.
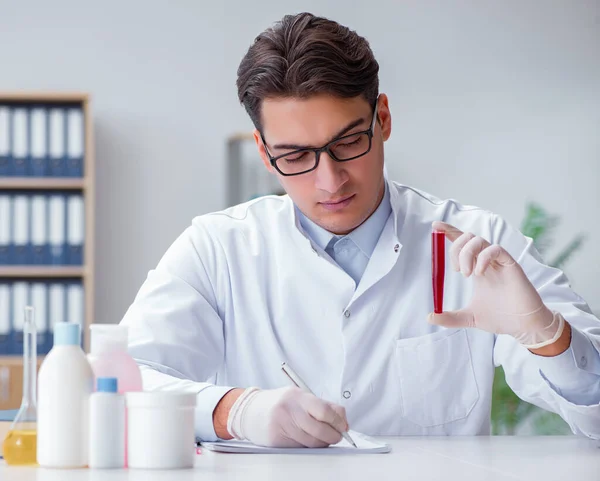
(289,372)
(438,264)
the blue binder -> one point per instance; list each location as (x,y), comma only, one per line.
(57,130)
(38,158)
(57,229)
(20,299)
(21,230)
(5,322)
(20,141)
(39,230)
(5,141)
(75,142)
(39,301)
(5,229)
(75,229)
(75,307)
(57,309)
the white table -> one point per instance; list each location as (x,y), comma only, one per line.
(480,458)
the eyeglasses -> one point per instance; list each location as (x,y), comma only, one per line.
(342,149)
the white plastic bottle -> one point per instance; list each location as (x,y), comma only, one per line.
(109,357)
(65,383)
(107,425)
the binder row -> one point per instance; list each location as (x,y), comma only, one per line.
(41,140)
(41,228)
(55,301)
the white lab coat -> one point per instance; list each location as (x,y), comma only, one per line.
(242,290)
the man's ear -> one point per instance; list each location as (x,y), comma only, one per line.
(261,151)
(385,117)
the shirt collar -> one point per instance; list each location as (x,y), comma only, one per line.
(365,236)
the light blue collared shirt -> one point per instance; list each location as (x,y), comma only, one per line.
(352,251)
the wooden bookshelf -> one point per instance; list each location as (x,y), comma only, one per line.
(13,364)
(35,183)
(52,272)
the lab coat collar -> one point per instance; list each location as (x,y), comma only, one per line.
(364,236)
(321,240)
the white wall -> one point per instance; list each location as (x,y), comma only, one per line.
(500,100)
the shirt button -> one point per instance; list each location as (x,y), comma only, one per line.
(583,361)
(346,313)
(347,394)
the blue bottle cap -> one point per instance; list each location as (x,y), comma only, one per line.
(107,384)
(66,334)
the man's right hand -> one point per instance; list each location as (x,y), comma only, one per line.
(286,417)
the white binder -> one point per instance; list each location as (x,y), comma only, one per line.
(57,228)
(75,304)
(75,135)
(75,223)
(4,138)
(21,228)
(39,219)
(20,139)
(39,302)
(4,309)
(57,137)
(5,226)
(39,140)
(20,299)
(56,304)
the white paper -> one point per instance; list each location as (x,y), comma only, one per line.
(365,445)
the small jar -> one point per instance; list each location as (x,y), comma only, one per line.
(160,429)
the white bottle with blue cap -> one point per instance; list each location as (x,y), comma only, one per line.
(65,383)
(107,425)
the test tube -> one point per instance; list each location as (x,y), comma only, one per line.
(438,265)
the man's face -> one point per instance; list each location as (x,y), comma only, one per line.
(338,196)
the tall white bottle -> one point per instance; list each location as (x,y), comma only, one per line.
(107,425)
(65,383)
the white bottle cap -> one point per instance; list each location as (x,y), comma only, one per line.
(108,337)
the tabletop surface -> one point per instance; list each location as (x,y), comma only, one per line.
(464,458)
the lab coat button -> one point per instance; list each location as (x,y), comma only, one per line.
(347,394)
(346,313)
(583,361)
(396,248)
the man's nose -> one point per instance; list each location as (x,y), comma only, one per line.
(330,175)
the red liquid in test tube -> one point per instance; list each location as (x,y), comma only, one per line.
(438,264)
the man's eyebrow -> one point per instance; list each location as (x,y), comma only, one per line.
(348,127)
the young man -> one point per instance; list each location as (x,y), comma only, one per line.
(334,279)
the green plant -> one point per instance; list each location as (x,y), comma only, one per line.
(508,410)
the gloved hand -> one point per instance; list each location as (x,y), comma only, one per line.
(504,300)
(287,417)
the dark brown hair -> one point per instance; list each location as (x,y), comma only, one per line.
(303,55)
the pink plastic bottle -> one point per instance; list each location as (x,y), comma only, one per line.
(109,358)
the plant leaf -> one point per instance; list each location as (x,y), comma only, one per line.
(564,255)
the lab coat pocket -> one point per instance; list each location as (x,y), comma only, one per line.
(437,379)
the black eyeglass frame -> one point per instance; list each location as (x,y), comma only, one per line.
(326,148)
